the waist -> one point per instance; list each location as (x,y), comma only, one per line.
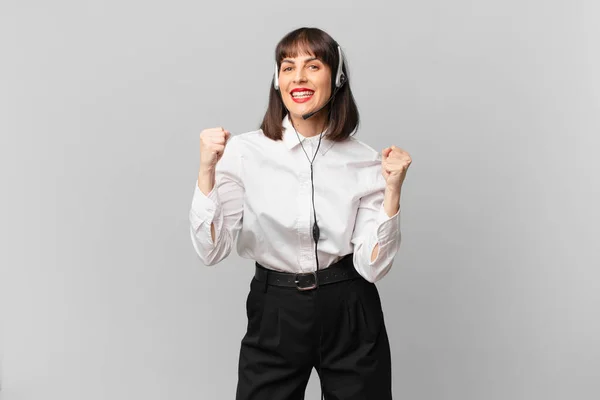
(339,271)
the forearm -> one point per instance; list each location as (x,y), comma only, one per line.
(206,180)
(391,201)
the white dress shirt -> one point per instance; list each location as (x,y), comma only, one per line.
(262,198)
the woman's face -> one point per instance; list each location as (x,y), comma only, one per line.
(304,83)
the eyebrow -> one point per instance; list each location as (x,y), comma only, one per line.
(286,60)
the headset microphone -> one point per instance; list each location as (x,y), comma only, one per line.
(310,114)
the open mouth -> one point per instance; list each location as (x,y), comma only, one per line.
(302,95)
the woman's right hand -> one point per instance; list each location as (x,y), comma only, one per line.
(212,146)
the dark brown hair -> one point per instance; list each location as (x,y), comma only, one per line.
(343,117)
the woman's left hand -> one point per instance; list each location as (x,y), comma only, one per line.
(394,164)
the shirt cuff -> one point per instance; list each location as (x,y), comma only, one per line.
(387,227)
(206,209)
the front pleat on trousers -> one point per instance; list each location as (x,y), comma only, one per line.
(280,347)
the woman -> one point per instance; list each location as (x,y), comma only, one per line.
(318,211)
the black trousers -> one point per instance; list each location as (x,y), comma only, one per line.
(280,346)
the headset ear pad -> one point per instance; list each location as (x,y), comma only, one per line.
(276,77)
(342,79)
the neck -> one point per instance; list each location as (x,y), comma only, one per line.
(313,126)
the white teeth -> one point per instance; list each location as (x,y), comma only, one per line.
(306,93)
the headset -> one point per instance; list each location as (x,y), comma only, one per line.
(340,79)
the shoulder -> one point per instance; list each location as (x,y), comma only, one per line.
(248,138)
(361,150)
(368,162)
(253,143)
(239,142)
(249,135)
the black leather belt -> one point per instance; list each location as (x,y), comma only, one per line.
(339,271)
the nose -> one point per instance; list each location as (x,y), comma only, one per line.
(300,75)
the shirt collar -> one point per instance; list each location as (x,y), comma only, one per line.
(291,140)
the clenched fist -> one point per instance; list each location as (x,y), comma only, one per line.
(212,146)
(394,164)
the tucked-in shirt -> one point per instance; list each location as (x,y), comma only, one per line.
(262,201)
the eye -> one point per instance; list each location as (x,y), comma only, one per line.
(287,69)
(313,67)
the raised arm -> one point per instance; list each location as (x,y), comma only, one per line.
(217,205)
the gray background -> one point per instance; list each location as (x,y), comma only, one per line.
(495,292)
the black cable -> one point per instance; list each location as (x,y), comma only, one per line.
(315,234)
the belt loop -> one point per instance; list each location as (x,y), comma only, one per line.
(266,280)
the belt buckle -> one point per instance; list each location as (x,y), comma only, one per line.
(313,286)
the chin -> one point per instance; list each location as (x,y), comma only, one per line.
(297,111)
